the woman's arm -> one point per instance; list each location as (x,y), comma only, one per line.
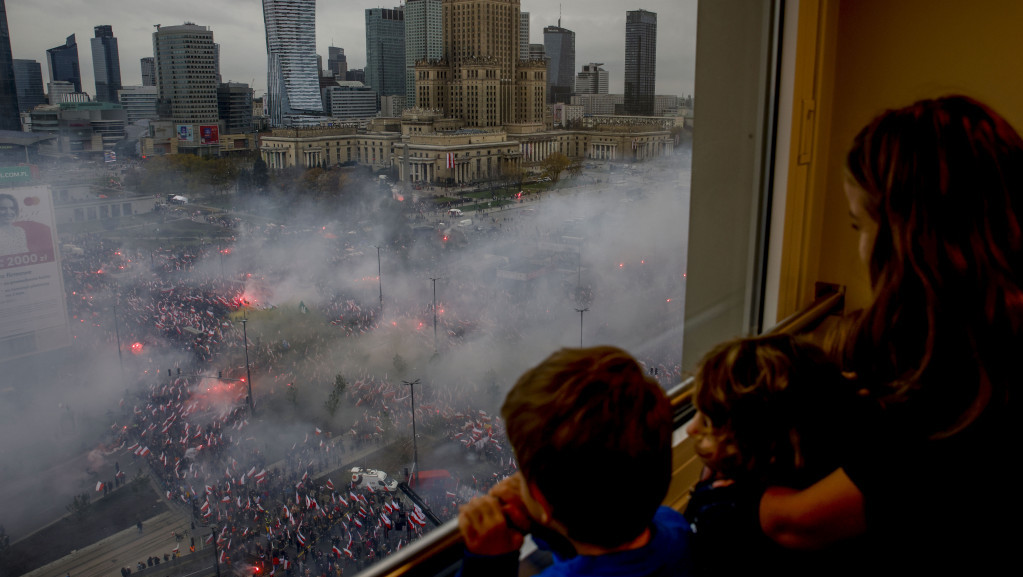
(828,511)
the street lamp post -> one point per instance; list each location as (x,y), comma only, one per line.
(216,555)
(248,375)
(380,283)
(581,311)
(579,269)
(117,333)
(434,279)
(415,445)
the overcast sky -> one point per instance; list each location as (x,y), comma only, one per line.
(237,26)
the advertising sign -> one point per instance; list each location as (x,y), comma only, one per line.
(185,132)
(209,134)
(15,174)
(33,315)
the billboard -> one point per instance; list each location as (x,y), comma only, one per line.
(33,315)
(15,174)
(185,132)
(209,134)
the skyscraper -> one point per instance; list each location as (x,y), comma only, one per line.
(481,79)
(424,39)
(523,35)
(9,117)
(293,81)
(63,63)
(482,28)
(640,61)
(337,62)
(592,79)
(28,75)
(60,91)
(216,62)
(148,71)
(385,50)
(139,102)
(559,46)
(106,64)
(235,104)
(185,74)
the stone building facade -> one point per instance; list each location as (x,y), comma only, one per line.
(427,147)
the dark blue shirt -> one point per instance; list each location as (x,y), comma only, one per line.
(666,554)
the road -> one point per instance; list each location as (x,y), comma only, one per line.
(125,549)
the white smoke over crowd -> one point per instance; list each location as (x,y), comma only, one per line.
(509,287)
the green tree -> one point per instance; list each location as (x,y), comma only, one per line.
(221,174)
(260,174)
(79,507)
(329,183)
(400,365)
(490,383)
(310,180)
(336,394)
(513,175)
(554,164)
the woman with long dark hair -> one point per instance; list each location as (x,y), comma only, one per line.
(935,191)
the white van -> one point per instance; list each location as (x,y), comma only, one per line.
(373,478)
(455,212)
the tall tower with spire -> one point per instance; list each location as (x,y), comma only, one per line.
(481,78)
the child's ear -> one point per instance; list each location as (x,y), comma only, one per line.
(545,507)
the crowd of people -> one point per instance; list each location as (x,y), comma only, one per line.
(197,440)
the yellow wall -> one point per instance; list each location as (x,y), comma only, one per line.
(880,54)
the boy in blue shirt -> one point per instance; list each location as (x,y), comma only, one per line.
(592,436)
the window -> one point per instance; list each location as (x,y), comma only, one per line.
(508,299)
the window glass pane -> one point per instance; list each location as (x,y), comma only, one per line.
(372,311)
